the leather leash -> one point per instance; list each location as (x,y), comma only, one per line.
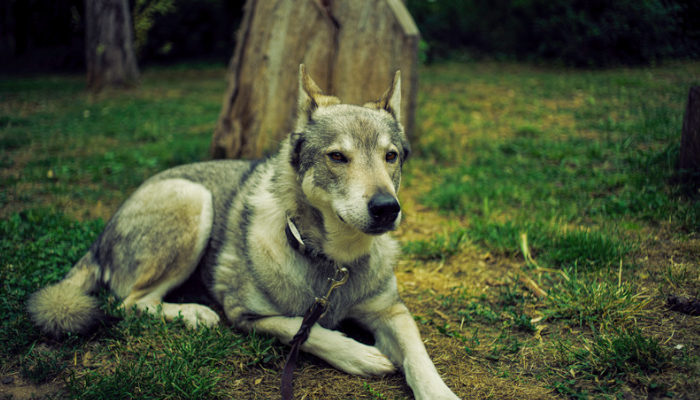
(288,372)
(317,311)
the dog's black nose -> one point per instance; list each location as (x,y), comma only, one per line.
(384,208)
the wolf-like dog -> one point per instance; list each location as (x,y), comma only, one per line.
(265,237)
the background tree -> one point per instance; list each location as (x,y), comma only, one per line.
(109,44)
(351,49)
(689,159)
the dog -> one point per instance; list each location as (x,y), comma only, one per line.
(265,237)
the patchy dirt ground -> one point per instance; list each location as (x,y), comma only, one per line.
(528,364)
(524,374)
(16,388)
(420,283)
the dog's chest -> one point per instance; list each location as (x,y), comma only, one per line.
(365,280)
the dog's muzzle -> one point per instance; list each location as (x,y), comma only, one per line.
(384,209)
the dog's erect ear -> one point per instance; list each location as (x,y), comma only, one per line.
(390,101)
(406,149)
(296,141)
(311,96)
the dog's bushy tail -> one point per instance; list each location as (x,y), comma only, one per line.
(66,306)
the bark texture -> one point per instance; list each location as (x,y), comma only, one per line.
(109,44)
(351,48)
(689,162)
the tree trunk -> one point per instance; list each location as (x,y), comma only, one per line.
(351,48)
(689,163)
(109,44)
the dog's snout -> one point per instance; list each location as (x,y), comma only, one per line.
(384,208)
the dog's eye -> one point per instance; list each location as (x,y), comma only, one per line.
(337,157)
(391,156)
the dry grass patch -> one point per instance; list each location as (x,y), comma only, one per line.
(576,160)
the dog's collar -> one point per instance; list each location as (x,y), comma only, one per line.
(297,243)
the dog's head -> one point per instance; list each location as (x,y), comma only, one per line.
(349,158)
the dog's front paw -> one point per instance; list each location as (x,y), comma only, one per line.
(364,360)
(439,396)
(194,315)
(436,392)
(353,357)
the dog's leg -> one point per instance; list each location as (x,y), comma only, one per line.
(332,346)
(151,301)
(396,335)
(156,242)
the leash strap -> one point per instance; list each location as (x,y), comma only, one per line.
(306,324)
(317,310)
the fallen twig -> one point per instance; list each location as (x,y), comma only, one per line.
(530,284)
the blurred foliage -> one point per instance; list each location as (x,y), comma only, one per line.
(144,16)
(49,34)
(592,33)
(40,35)
(195,29)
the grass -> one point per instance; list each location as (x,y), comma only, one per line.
(545,228)
(595,301)
(38,247)
(620,158)
(192,367)
(583,165)
(606,359)
(439,247)
(80,149)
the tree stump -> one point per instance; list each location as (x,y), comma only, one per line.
(351,48)
(689,162)
(109,44)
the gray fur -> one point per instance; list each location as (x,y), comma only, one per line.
(226,220)
(66,306)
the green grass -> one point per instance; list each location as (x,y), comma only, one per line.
(37,248)
(563,157)
(69,155)
(589,300)
(493,328)
(440,247)
(581,164)
(609,358)
(138,357)
(89,148)
(147,357)
(192,366)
